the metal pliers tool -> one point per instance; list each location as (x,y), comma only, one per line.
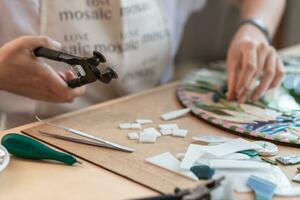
(86,69)
(200,192)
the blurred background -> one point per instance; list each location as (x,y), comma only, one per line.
(208,33)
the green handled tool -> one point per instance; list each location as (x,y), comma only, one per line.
(29,148)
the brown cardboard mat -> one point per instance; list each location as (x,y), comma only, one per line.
(102,120)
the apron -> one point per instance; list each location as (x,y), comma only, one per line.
(133,36)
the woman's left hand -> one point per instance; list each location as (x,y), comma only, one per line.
(250,58)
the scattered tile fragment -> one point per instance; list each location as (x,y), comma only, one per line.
(210,138)
(269,160)
(136,126)
(236,156)
(194,152)
(263,189)
(237,164)
(296,178)
(268,148)
(133,136)
(130,126)
(169,162)
(166,131)
(175,114)
(180,132)
(148,137)
(251,153)
(124,125)
(144,121)
(203,171)
(232,146)
(152,130)
(168,126)
(289,159)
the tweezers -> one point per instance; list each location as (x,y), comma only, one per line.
(86,135)
(76,140)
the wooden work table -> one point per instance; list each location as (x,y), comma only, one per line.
(26,179)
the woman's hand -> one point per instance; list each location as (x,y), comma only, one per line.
(251,58)
(24,74)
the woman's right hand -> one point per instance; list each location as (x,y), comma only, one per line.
(24,74)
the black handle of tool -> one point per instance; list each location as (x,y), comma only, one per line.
(77,82)
(163,197)
(58,56)
(47,53)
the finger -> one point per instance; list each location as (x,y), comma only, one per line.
(263,52)
(69,75)
(280,71)
(75,92)
(65,93)
(233,67)
(69,94)
(268,77)
(78,91)
(33,42)
(243,96)
(62,75)
(249,67)
(55,83)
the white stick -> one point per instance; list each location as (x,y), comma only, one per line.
(175,114)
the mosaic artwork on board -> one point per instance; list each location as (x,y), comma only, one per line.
(276,116)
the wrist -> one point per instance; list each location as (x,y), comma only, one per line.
(250,31)
(258,24)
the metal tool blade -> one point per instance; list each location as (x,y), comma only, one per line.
(76,140)
(86,135)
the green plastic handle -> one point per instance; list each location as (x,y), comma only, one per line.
(29,148)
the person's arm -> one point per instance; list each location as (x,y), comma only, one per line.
(250,57)
(23,74)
